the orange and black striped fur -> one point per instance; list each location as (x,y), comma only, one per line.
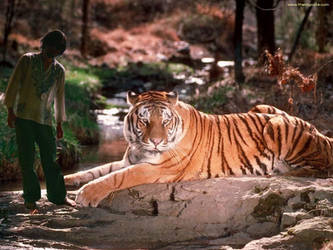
(171,141)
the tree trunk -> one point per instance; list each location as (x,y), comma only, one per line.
(238,40)
(300,30)
(265,26)
(10,11)
(85,28)
(322,27)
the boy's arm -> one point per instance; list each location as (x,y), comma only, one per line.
(59,105)
(11,118)
(60,132)
(12,89)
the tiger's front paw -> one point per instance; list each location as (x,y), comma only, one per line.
(72,180)
(91,194)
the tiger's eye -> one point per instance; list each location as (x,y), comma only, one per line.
(143,122)
(166,122)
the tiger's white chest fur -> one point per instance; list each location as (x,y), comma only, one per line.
(136,156)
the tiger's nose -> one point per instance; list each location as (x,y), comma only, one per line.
(156,141)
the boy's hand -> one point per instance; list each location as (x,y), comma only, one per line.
(60,132)
(11,118)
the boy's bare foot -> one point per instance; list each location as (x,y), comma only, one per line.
(34,211)
(31,205)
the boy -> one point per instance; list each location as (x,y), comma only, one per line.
(37,81)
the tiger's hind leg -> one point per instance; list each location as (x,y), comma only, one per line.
(86,176)
(298,143)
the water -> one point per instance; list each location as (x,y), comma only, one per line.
(112,144)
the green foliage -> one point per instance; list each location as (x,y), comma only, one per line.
(77,98)
(177,68)
(308,40)
(5,73)
(84,127)
(149,71)
(212,104)
(8,150)
(288,25)
(81,85)
(69,137)
(83,77)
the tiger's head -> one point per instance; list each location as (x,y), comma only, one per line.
(152,123)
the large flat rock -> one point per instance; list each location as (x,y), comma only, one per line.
(232,213)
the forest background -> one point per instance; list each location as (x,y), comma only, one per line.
(211,51)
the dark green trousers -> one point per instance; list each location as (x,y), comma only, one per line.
(27,134)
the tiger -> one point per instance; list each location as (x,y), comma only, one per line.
(171,141)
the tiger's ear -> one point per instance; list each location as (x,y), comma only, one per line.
(172,97)
(132,97)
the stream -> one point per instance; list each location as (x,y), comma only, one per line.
(112,144)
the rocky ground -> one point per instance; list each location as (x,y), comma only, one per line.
(223,213)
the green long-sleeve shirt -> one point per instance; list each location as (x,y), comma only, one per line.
(31,90)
